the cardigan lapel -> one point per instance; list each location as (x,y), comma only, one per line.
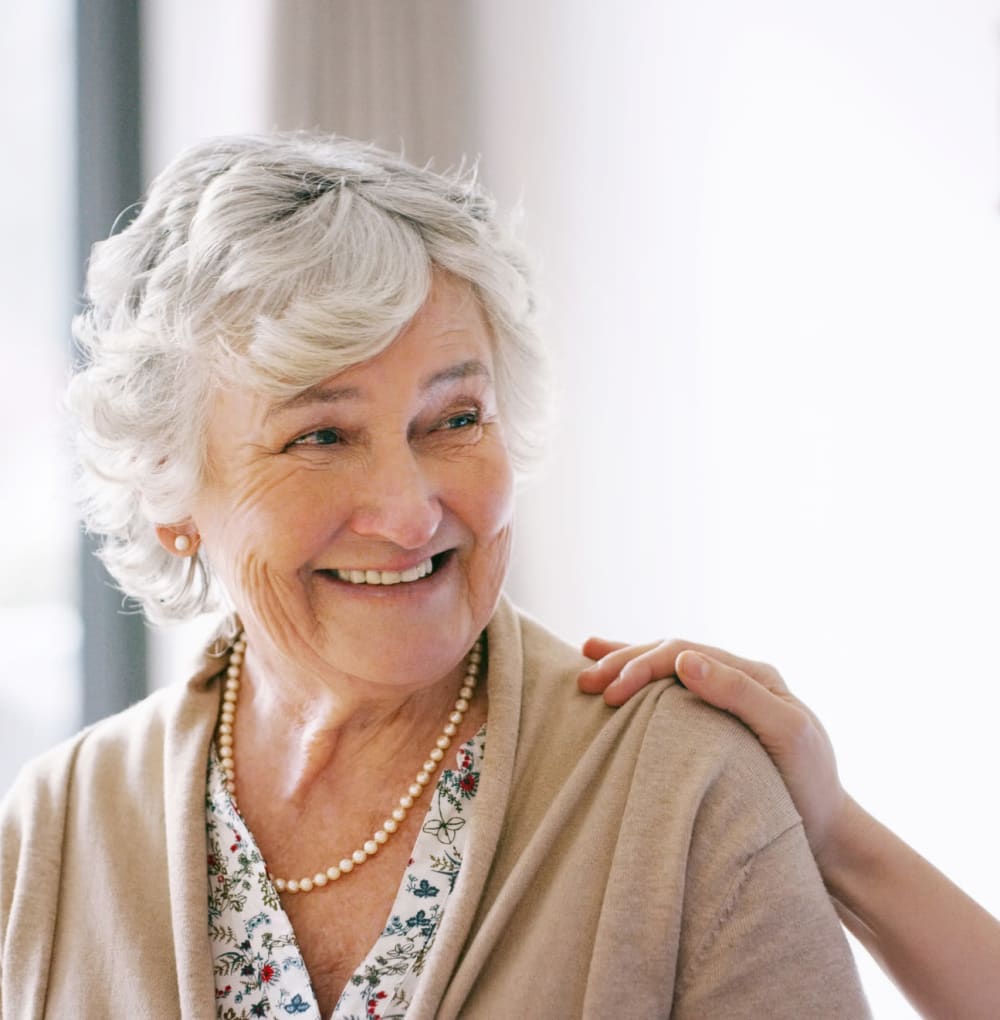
(188,735)
(443,983)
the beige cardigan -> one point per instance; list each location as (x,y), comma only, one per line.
(638,862)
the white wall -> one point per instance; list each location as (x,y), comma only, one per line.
(771,239)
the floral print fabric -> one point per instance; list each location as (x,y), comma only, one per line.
(259,971)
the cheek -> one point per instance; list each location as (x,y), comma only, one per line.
(487,569)
(490,507)
(260,528)
(488,514)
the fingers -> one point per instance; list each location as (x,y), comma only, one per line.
(764,705)
(598,647)
(612,657)
(622,670)
(763,673)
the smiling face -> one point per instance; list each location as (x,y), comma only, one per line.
(364,525)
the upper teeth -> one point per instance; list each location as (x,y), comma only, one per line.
(387,576)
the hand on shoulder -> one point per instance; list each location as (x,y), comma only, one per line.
(935,942)
(753,692)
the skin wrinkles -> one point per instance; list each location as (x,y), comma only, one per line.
(323,394)
(361,441)
(334,671)
(317,739)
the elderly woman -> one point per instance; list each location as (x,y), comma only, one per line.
(310,380)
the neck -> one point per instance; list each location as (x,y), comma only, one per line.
(299,728)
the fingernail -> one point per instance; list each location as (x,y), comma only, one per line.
(695,665)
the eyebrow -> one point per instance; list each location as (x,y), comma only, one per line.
(323,394)
(318,394)
(463,370)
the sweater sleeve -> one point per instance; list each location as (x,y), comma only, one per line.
(32,829)
(773,948)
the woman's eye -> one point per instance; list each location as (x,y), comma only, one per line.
(319,437)
(462,420)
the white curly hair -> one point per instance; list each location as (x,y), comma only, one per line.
(276,261)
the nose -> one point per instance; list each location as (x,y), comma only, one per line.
(397,501)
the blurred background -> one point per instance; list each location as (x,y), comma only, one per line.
(768,238)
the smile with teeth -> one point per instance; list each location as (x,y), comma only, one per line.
(387,576)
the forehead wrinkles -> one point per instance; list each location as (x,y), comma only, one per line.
(329,393)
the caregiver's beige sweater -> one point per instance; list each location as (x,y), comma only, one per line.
(638,862)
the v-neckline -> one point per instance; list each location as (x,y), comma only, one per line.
(253,942)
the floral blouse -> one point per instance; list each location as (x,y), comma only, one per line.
(259,971)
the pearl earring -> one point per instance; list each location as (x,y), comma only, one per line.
(182,543)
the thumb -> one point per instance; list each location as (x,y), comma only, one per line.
(729,688)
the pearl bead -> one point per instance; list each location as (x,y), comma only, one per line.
(226,746)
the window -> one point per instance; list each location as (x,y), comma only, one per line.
(40,628)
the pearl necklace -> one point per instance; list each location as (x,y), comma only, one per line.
(369,848)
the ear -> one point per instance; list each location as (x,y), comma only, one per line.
(178,539)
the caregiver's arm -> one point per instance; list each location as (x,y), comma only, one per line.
(937,944)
